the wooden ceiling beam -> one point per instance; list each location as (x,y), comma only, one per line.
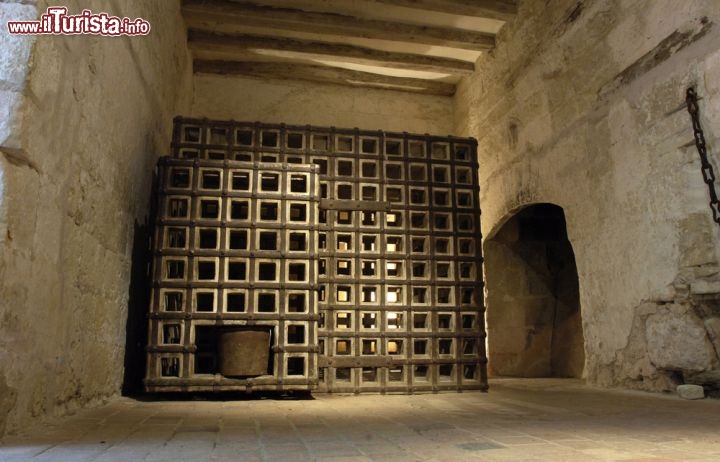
(503,10)
(207,14)
(240,44)
(324,74)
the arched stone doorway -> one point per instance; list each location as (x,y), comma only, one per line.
(533,305)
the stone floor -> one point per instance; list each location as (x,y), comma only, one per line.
(519,420)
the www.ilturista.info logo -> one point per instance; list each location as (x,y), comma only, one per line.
(57,21)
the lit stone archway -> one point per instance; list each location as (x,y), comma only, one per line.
(533,306)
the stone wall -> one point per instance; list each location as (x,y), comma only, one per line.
(77,162)
(581,105)
(298,102)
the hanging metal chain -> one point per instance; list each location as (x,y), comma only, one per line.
(707,170)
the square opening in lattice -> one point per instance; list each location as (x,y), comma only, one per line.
(443,245)
(180,177)
(343,294)
(344,217)
(420,321)
(297,241)
(294,160)
(189,153)
(320,142)
(322,267)
(268,211)
(470,372)
(443,270)
(446,371)
(464,199)
(238,239)
(394,171)
(368,169)
(270,138)
(440,151)
(210,209)
(206,270)
(172,301)
(369,193)
(294,140)
(395,346)
(269,158)
(469,320)
(343,347)
(418,245)
(416,148)
(322,164)
(393,147)
(240,181)
(441,221)
(441,174)
(420,347)
(445,346)
(244,137)
(462,152)
(178,207)
(208,238)
(170,367)
(239,210)
(419,270)
(394,295)
(466,246)
(369,218)
(267,271)
(396,374)
(236,270)
(470,347)
(368,145)
(171,334)
(174,269)
(296,333)
(344,191)
(419,295)
(235,302)
(322,241)
(467,295)
(369,242)
(394,269)
(444,295)
(176,238)
(467,270)
(266,302)
(394,244)
(393,219)
(369,268)
(369,374)
(418,196)
(268,240)
(205,301)
(343,374)
(465,222)
(297,271)
(445,321)
(345,168)
(369,347)
(270,182)
(418,172)
(298,212)
(441,197)
(343,320)
(395,320)
(420,372)
(296,365)
(369,294)
(298,183)
(394,194)
(296,302)
(243,156)
(419,220)
(210,179)
(344,267)
(344,143)
(344,242)
(463,175)
(368,320)
(190,134)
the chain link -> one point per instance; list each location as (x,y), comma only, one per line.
(706,168)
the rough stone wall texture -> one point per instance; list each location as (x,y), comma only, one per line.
(580,105)
(95,113)
(298,102)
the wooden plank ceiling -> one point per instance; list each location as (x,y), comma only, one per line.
(420,46)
